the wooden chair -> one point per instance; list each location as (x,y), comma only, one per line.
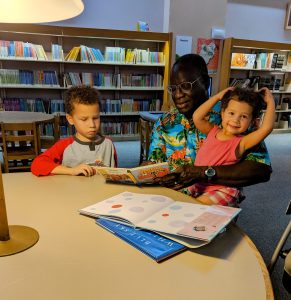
(48,133)
(144,131)
(19,145)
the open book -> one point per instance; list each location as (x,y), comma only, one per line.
(139,175)
(164,215)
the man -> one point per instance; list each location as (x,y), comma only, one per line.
(176,140)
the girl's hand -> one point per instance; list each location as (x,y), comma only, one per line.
(268,96)
(221,93)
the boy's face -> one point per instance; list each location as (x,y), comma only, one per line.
(86,119)
(236,117)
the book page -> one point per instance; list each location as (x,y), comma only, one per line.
(188,242)
(190,220)
(127,206)
(146,174)
(118,175)
(210,223)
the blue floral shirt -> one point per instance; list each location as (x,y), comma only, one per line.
(176,139)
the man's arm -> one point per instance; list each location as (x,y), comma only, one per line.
(243,173)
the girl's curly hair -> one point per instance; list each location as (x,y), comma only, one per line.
(254,99)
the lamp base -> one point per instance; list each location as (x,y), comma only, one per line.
(21,238)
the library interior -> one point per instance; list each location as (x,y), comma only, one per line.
(106,91)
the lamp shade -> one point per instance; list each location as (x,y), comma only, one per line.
(39,11)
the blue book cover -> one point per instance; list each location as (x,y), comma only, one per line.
(152,244)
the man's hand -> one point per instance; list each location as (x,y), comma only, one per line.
(146,163)
(181,177)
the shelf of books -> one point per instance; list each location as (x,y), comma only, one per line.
(39,62)
(257,64)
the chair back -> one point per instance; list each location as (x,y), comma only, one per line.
(48,132)
(144,132)
(20,145)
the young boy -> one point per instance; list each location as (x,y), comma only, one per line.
(73,155)
(228,143)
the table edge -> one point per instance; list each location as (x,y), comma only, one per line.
(266,275)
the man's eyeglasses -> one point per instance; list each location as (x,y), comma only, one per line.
(183,86)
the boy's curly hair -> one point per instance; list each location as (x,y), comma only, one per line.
(81,95)
(254,99)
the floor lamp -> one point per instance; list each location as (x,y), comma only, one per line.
(17,238)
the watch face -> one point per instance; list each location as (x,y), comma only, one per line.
(210,172)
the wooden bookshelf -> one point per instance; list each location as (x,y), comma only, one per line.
(275,78)
(68,38)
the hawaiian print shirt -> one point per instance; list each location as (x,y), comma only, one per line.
(176,139)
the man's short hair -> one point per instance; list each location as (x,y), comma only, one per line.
(80,95)
(194,66)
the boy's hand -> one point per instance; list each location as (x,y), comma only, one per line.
(83,169)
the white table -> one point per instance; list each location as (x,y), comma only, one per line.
(76,259)
(23,116)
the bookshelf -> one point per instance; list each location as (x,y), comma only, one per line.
(129,68)
(258,64)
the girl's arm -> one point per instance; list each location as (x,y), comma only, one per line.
(200,114)
(264,130)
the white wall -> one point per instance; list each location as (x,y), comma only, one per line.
(196,18)
(119,14)
(246,19)
(257,20)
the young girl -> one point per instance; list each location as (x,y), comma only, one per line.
(227,143)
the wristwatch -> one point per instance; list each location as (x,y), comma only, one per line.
(210,173)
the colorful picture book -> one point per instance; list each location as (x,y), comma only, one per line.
(164,215)
(152,244)
(243,60)
(140,175)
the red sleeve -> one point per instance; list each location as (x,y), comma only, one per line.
(51,158)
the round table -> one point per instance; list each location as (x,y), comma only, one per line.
(76,259)
(23,116)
